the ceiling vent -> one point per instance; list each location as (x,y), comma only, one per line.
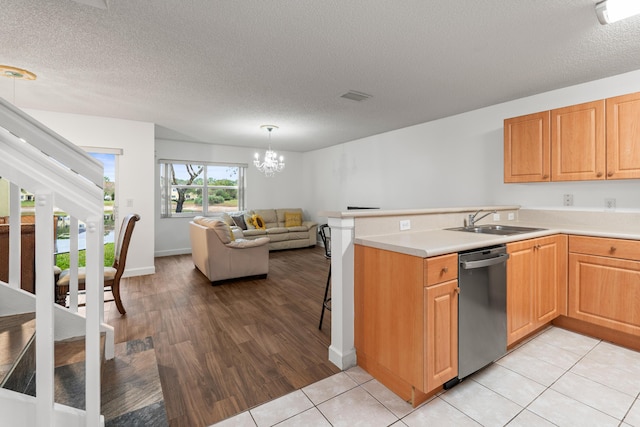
(355,96)
(100,4)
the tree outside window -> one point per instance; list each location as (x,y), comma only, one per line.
(190,189)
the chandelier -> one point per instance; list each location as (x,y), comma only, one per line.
(271,163)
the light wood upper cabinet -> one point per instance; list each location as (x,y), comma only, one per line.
(536,284)
(578,142)
(527,148)
(592,141)
(623,137)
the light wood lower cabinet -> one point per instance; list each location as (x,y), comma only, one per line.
(406,313)
(406,307)
(441,333)
(604,282)
(536,284)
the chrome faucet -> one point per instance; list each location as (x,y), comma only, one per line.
(471,222)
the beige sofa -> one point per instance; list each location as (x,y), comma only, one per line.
(220,256)
(280,236)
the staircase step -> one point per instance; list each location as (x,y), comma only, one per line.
(131,389)
(69,387)
(16,334)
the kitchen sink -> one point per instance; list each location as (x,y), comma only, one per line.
(500,230)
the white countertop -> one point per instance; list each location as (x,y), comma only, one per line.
(374,212)
(437,242)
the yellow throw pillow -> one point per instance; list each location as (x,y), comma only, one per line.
(292,219)
(258,222)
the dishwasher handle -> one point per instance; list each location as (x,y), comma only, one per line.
(470,265)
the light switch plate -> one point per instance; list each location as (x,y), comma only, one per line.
(405,224)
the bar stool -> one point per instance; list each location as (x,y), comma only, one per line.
(325,235)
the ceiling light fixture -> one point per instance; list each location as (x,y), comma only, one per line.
(271,163)
(609,11)
(16,73)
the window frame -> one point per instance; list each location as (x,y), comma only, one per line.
(166,187)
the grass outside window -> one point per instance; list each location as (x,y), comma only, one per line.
(62,260)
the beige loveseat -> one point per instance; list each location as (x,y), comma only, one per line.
(282,235)
(220,256)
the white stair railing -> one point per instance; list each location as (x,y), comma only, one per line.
(14,236)
(58,174)
(45,360)
(47,141)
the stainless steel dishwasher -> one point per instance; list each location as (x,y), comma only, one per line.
(482,308)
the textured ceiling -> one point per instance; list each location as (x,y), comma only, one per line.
(214,71)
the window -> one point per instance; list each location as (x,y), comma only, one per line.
(184,184)
(109,158)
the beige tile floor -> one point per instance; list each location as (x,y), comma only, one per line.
(556,378)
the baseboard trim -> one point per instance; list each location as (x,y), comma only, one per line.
(343,361)
(141,271)
(170,252)
(601,332)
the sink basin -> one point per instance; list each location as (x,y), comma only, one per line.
(501,230)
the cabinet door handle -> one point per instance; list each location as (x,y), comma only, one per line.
(612,249)
(457,290)
(610,174)
(545,176)
(599,174)
(445,270)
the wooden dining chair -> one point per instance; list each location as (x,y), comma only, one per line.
(113,274)
(325,234)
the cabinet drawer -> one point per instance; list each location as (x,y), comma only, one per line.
(613,248)
(441,269)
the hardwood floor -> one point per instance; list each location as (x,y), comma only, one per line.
(226,348)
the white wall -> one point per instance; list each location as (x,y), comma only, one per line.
(135,178)
(283,190)
(456,161)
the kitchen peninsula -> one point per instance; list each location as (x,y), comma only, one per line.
(600,255)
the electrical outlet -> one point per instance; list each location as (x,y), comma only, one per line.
(511,216)
(496,217)
(405,224)
(568,199)
(610,204)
